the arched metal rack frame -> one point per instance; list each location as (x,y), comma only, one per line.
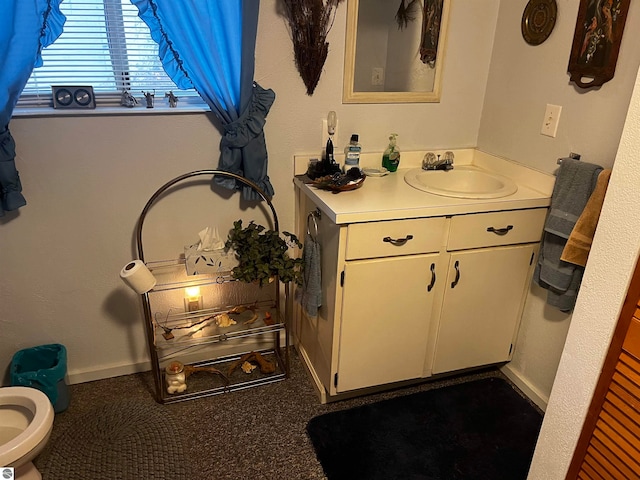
(282,356)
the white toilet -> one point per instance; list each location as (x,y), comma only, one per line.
(26,421)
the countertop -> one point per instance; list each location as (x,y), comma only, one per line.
(390,197)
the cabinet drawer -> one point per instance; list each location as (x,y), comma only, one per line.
(496,228)
(386,239)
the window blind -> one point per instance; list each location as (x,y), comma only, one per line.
(107,46)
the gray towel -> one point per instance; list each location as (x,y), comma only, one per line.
(312,279)
(574,185)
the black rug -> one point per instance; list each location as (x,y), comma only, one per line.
(481,430)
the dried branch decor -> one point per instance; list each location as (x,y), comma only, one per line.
(310,22)
(406,12)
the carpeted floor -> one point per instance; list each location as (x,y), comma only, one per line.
(258,433)
(125,438)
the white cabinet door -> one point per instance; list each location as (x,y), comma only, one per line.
(386,313)
(482,306)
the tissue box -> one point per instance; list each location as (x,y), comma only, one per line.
(213,261)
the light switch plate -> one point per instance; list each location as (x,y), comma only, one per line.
(377,76)
(551,120)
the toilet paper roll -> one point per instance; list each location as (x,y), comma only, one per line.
(138,276)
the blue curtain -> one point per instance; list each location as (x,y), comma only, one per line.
(209,45)
(26,27)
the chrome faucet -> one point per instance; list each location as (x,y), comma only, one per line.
(439,162)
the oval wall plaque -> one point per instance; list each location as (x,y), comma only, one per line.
(538,20)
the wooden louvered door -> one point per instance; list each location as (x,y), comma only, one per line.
(609,445)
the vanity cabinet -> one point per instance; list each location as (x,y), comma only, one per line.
(407,299)
(490,267)
(392,297)
(481,306)
(415,284)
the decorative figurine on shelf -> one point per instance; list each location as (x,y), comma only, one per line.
(128,100)
(223,320)
(173,100)
(176,374)
(266,366)
(149,98)
(175,377)
(248,367)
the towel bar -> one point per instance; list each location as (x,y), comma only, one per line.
(313,215)
(575,156)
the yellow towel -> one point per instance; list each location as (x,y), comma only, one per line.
(576,250)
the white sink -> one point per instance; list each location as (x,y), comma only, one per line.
(463,181)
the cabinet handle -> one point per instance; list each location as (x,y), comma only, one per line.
(433,277)
(397,242)
(457,279)
(500,231)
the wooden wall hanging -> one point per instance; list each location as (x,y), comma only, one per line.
(596,41)
(431,23)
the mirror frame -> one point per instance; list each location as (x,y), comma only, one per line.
(348,94)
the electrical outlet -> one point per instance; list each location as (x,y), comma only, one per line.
(377,76)
(325,133)
(551,120)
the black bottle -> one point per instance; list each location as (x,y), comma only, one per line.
(329,164)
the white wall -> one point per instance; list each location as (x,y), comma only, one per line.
(522,80)
(611,265)
(87,178)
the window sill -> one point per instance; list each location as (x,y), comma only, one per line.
(115,110)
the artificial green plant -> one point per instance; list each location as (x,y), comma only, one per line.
(263,254)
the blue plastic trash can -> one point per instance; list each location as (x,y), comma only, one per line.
(43,367)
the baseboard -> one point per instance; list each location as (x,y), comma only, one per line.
(82,376)
(100,373)
(525,386)
(318,387)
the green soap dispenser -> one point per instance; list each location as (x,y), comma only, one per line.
(391,156)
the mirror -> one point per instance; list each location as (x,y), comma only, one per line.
(394,50)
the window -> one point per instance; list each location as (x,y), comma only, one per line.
(107,46)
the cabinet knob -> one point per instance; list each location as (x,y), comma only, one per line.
(397,241)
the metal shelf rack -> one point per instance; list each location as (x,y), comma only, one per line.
(196,337)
